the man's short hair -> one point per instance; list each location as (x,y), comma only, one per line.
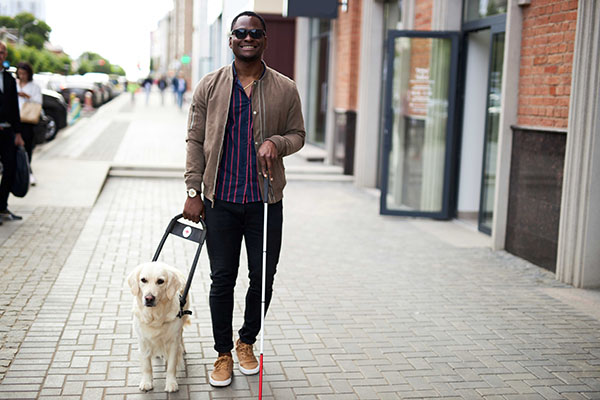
(249,14)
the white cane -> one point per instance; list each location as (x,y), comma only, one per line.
(264,280)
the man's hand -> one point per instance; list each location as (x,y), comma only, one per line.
(19,140)
(193,209)
(267,153)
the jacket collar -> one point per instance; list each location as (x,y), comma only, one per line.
(264,73)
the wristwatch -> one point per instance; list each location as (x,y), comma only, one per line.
(192,193)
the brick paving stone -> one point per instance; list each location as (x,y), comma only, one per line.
(364,307)
(30,260)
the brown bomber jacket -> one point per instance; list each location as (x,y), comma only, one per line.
(277,117)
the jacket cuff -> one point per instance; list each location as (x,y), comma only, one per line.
(277,141)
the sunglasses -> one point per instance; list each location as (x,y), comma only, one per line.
(242,33)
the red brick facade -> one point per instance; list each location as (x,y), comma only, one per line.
(423,15)
(546,62)
(347,37)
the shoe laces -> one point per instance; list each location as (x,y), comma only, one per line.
(222,362)
(245,350)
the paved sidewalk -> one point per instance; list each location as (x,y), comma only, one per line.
(365,306)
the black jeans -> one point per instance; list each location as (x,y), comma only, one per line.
(227,224)
(28,136)
(8,152)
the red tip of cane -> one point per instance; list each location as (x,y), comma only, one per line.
(260,378)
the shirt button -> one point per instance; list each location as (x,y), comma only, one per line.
(255,112)
(256,143)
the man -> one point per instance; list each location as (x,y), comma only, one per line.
(10,136)
(244,118)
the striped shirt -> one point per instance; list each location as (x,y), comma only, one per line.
(237,179)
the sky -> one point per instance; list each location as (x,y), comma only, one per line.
(118,30)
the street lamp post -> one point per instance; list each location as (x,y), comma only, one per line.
(22,29)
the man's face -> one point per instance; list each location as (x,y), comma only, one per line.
(2,54)
(248,48)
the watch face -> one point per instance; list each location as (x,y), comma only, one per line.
(192,192)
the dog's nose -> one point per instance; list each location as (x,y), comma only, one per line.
(149,300)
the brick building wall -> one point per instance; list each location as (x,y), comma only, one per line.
(546,62)
(347,36)
(423,15)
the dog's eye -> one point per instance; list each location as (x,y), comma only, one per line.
(144,280)
(160,281)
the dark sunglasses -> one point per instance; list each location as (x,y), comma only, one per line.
(254,33)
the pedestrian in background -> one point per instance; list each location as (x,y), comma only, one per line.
(147,85)
(181,89)
(10,135)
(162,85)
(174,82)
(28,92)
(253,114)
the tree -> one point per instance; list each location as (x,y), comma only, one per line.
(34,32)
(8,22)
(117,70)
(94,62)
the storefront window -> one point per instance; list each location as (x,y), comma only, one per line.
(420,92)
(477,9)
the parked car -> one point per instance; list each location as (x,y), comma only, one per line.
(54,116)
(118,84)
(103,81)
(48,80)
(80,86)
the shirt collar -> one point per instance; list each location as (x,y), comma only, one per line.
(261,75)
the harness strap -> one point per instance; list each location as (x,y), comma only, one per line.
(182,302)
(183,312)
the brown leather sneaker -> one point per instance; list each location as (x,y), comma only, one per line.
(248,363)
(221,375)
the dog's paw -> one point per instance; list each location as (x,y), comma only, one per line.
(145,386)
(171,386)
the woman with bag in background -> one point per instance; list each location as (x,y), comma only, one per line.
(30,107)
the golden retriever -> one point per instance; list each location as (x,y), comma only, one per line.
(156,287)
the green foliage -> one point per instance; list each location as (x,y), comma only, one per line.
(8,22)
(40,60)
(117,70)
(35,33)
(84,66)
(94,62)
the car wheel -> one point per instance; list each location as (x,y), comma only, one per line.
(51,128)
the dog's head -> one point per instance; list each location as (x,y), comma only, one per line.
(155,282)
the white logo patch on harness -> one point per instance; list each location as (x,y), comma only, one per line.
(187,231)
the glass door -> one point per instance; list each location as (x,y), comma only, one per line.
(492,121)
(418,158)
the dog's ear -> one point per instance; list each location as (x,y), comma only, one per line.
(176,281)
(133,281)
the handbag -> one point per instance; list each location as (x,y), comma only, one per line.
(21,183)
(30,112)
